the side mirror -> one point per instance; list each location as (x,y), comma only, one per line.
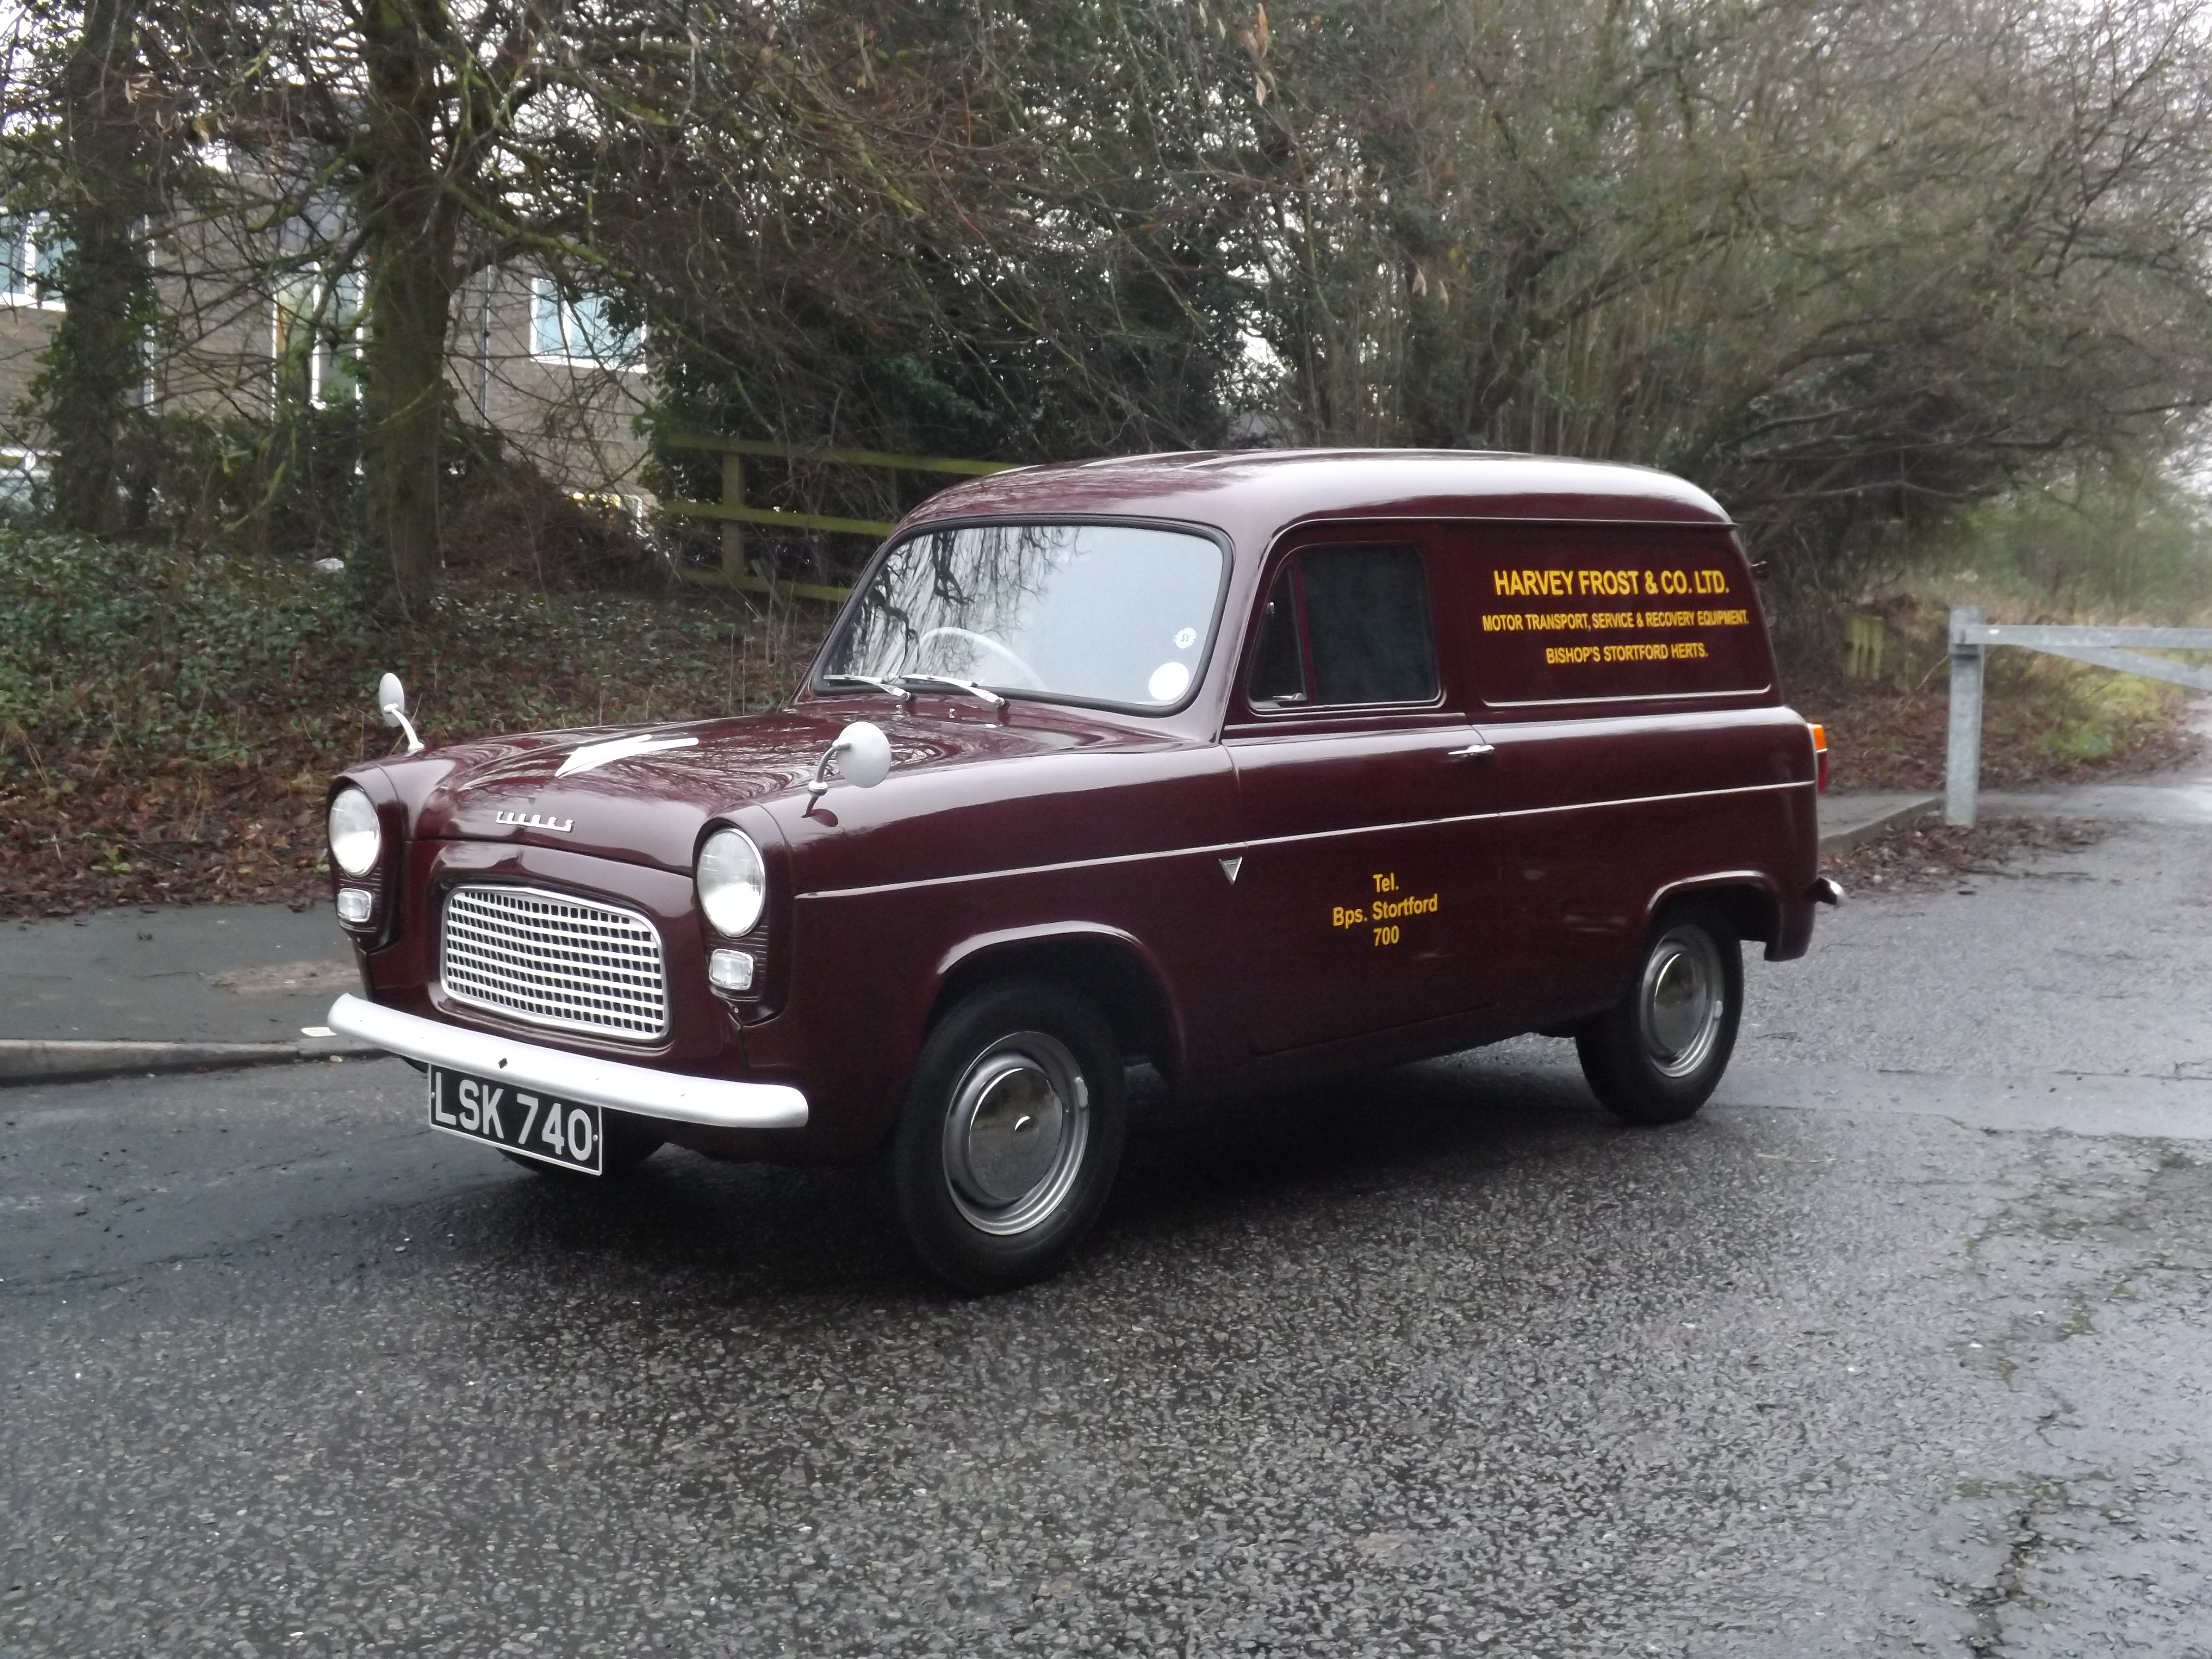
(863,755)
(864,758)
(391,704)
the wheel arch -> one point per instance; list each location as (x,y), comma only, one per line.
(1105,963)
(1748,898)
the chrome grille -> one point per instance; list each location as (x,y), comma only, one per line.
(553,959)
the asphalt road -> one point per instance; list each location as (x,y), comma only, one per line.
(1900,1347)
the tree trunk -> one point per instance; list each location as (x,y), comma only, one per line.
(409,228)
(95,365)
(404,397)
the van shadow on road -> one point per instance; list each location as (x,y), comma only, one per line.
(756,1232)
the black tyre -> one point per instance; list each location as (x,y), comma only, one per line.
(629,1144)
(1659,1054)
(1010,1135)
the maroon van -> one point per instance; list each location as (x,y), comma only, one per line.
(1254,767)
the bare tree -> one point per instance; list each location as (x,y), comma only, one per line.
(1840,259)
(85,146)
(1844,261)
(418,143)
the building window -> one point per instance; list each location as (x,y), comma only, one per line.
(22,482)
(30,253)
(315,337)
(579,328)
(334,366)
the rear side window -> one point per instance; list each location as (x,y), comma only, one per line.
(1598,614)
(1344,626)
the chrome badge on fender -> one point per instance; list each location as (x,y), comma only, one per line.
(538,820)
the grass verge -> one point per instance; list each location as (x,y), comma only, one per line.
(168,722)
(2044,720)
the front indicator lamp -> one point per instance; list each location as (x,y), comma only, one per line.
(356,837)
(356,905)
(732,882)
(730,970)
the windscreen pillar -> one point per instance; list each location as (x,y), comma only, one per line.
(1962,762)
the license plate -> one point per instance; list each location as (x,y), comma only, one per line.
(525,1121)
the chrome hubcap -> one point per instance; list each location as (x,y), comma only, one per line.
(1014,1138)
(1682,1000)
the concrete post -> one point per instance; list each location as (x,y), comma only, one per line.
(1962,762)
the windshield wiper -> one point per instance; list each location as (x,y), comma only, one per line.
(896,693)
(968,686)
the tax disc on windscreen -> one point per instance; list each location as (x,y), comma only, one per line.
(1169,681)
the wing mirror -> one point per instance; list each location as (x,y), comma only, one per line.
(391,703)
(863,755)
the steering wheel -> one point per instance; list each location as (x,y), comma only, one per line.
(1029,677)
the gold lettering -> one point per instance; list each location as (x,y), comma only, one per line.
(1390,909)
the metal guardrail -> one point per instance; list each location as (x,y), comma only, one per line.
(735,512)
(2116,648)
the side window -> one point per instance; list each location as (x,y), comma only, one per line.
(1278,668)
(1344,626)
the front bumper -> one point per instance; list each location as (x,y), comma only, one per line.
(717,1102)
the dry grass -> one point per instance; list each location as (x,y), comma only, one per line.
(2044,720)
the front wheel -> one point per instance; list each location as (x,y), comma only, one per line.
(1010,1135)
(1657,1055)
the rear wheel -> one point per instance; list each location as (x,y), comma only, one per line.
(1010,1135)
(1657,1055)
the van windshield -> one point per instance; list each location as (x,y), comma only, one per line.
(1114,614)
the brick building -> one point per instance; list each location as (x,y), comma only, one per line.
(549,371)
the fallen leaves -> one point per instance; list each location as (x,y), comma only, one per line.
(1936,855)
(78,843)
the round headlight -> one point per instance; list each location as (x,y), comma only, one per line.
(356,837)
(732,882)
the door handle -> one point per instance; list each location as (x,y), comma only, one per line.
(1474,750)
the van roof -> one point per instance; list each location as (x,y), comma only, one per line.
(1254,494)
